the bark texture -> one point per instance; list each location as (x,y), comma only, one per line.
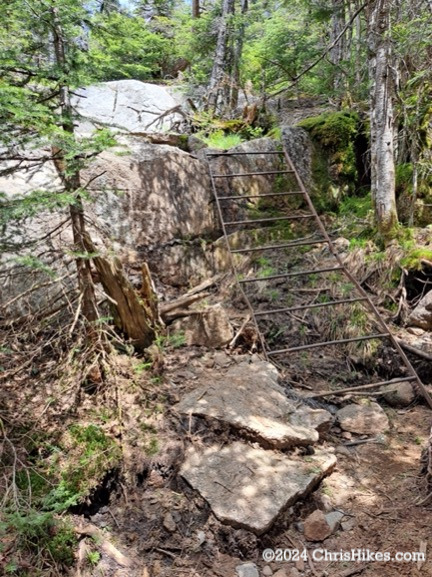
(218,93)
(381,116)
(136,317)
(337,54)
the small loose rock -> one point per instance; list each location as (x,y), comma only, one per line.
(399,395)
(169,523)
(247,570)
(349,524)
(362,419)
(316,527)
(333,519)
(267,571)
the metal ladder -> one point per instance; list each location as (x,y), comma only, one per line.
(361,296)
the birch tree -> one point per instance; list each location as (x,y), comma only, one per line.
(381,116)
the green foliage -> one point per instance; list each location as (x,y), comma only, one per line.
(93,557)
(222,141)
(278,45)
(357,206)
(173,340)
(126,47)
(41,533)
(413,259)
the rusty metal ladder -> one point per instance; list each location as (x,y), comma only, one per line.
(362,296)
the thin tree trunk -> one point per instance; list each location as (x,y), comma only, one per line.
(72,184)
(337,53)
(216,90)
(196,12)
(237,54)
(131,313)
(381,117)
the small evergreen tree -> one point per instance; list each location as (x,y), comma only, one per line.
(43,58)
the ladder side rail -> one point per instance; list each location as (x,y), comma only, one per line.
(355,282)
(233,266)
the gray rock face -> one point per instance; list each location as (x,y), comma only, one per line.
(209,328)
(254,185)
(129,105)
(153,194)
(143,199)
(363,419)
(249,397)
(248,487)
(421,316)
(299,147)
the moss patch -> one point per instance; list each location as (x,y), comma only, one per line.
(334,163)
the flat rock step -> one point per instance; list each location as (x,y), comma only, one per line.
(248,397)
(248,487)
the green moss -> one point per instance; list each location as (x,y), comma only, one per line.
(91,454)
(333,130)
(413,260)
(334,166)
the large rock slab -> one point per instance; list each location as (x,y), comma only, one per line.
(144,199)
(421,316)
(249,487)
(129,105)
(247,396)
(363,419)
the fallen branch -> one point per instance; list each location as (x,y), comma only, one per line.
(174,309)
(239,332)
(359,388)
(187,299)
(415,350)
(107,547)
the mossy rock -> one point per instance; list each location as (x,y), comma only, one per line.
(334,156)
(333,130)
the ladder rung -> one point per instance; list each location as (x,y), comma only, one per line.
(240,153)
(246,196)
(326,343)
(311,306)
(361,388)
(277,246)
(252,173)
(288,274)
(273,219)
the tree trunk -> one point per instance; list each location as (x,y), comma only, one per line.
(237,54)
(136,317)
(217,85)
(131,314)
(337,53)
(381,117)
(72,184)
(196,12)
